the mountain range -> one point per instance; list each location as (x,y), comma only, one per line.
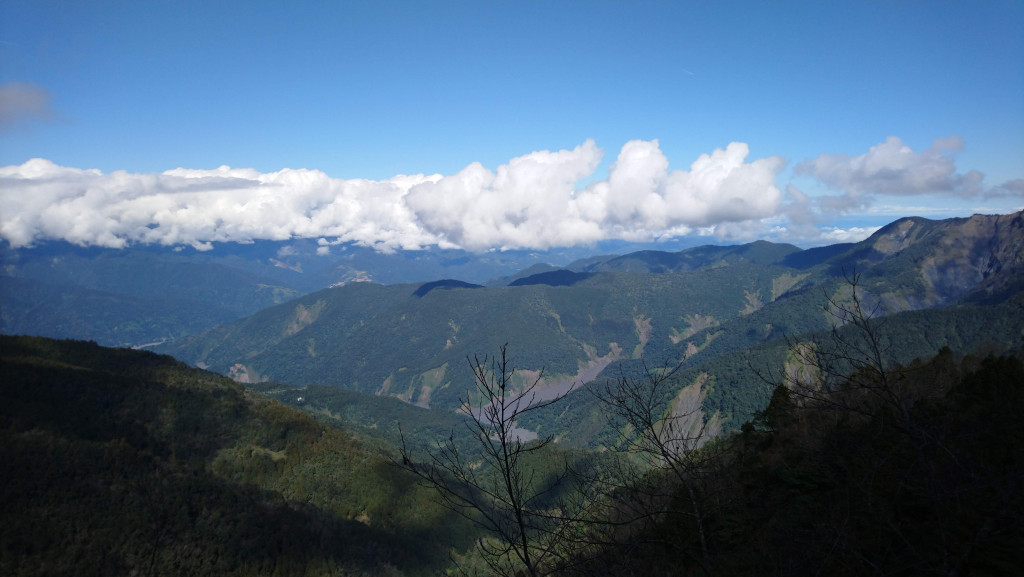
(147,294)
(255,313)
(954,282)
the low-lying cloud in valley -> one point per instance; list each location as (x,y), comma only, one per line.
(534,201)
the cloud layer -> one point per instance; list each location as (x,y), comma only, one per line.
(540,200)
(531,202)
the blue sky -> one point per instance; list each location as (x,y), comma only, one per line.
(850,114)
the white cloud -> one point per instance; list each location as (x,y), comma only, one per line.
(642,194)
(883,181)
(23,102)
(41,200)
(893,168)
(530,202)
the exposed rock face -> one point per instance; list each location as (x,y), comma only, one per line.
(981,257)
(993,249)
(897,236)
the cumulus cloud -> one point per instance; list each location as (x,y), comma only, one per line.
(528,202)
(893,168)
(23,102)
(888,170)
(533,201)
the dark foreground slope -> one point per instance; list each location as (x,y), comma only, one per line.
(840,483)
(118,462)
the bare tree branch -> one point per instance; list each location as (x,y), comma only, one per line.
(495,485)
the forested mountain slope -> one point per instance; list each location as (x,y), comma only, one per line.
(126,462)
(600,319)
(929,284)
(389,340)
(735,382)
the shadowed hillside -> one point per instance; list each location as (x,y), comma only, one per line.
(843,483)
(125,462)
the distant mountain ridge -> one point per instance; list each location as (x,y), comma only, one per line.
(759,252)
(168,292)
(578,324)
(146,294)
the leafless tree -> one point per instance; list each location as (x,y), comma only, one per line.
(495,484)
(663,439)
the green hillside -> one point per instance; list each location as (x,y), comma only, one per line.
(126,462)
(389,340)
(377,420)
(733,377)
